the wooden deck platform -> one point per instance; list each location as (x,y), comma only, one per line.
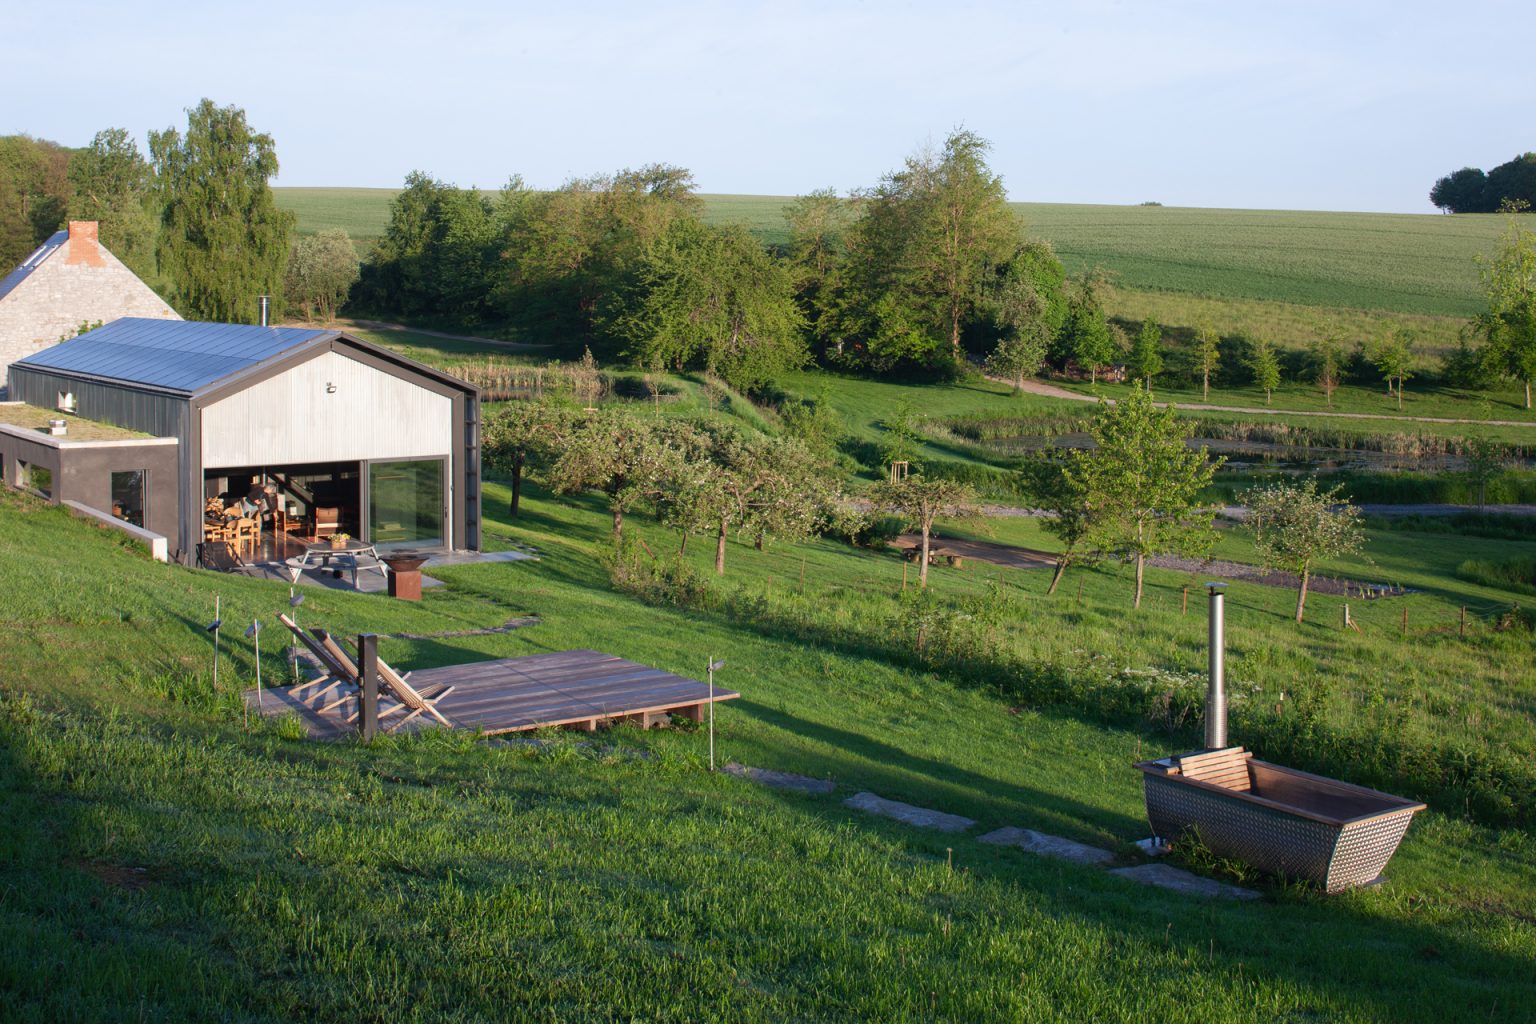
(580,689)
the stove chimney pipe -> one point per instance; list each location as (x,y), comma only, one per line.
(1216,688)
(263,305)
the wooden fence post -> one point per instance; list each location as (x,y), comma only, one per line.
(1405,620)
(368,685)
(1185,609)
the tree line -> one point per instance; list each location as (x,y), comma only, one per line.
(1469,190)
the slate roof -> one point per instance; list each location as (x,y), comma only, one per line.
(174,355)
(10,281)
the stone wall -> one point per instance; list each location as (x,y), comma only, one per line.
(80,282)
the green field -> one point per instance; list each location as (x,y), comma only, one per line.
(1421,265)
(165,864)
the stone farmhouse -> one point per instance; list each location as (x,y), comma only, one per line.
(71,279)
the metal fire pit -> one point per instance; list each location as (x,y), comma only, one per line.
(1286,822)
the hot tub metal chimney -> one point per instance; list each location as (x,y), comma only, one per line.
(263,305)
(1216,689)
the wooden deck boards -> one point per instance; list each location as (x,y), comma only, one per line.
(561,688)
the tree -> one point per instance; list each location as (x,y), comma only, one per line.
(1025,307)
(1265,365)
(1509,324)
(628,459)
(1393,357)
(1295,525)
(919,501)
(322,269)
(1328,360)
(34,194)
(1069,515)
(1140,483)
(565,251)
(223,240)
(1085,334)
(710,298)
(902,438)
(519,434)
(1463,191)
(1485,459)
(112,184)
(928,237)
(1208,354)
(1146,355)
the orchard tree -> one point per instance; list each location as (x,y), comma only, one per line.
(1146,353)
(1208,353)
(111,183)
(223,241)
(518,435)
(1140,484)
(322,269)
(1265,365)
(620,455)
(1295,526)
(1509,324)
(918,502)
(1393,358)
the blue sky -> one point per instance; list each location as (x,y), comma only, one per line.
(1295,105)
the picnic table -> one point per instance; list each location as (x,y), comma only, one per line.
(355,555)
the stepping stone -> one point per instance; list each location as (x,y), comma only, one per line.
(1167,877)
(1048,845)
(781,780)
(922,817)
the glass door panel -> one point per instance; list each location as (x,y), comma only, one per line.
(405,504)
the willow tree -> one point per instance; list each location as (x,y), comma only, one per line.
(1295,526)
(223,241)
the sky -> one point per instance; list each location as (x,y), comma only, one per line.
(1290,105)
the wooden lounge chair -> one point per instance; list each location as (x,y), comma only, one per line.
(342,674)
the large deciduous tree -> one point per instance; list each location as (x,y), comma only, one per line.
(929,236)
(1295,526)
(1509,324)
(112,184)
(223,241)
(34,194)
(1140,483)
(710,298)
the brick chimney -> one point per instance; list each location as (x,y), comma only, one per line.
(84,250)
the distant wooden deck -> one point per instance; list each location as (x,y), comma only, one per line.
(581,689)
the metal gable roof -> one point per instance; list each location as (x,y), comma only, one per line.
(175,355)
(10,281)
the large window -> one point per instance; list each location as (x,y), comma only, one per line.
(128,496)
(405,503)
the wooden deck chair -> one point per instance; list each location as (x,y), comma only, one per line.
(338,674)
(402,691)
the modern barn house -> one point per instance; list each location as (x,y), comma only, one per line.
(353,437)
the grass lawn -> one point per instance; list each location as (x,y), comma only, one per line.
(165,864)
